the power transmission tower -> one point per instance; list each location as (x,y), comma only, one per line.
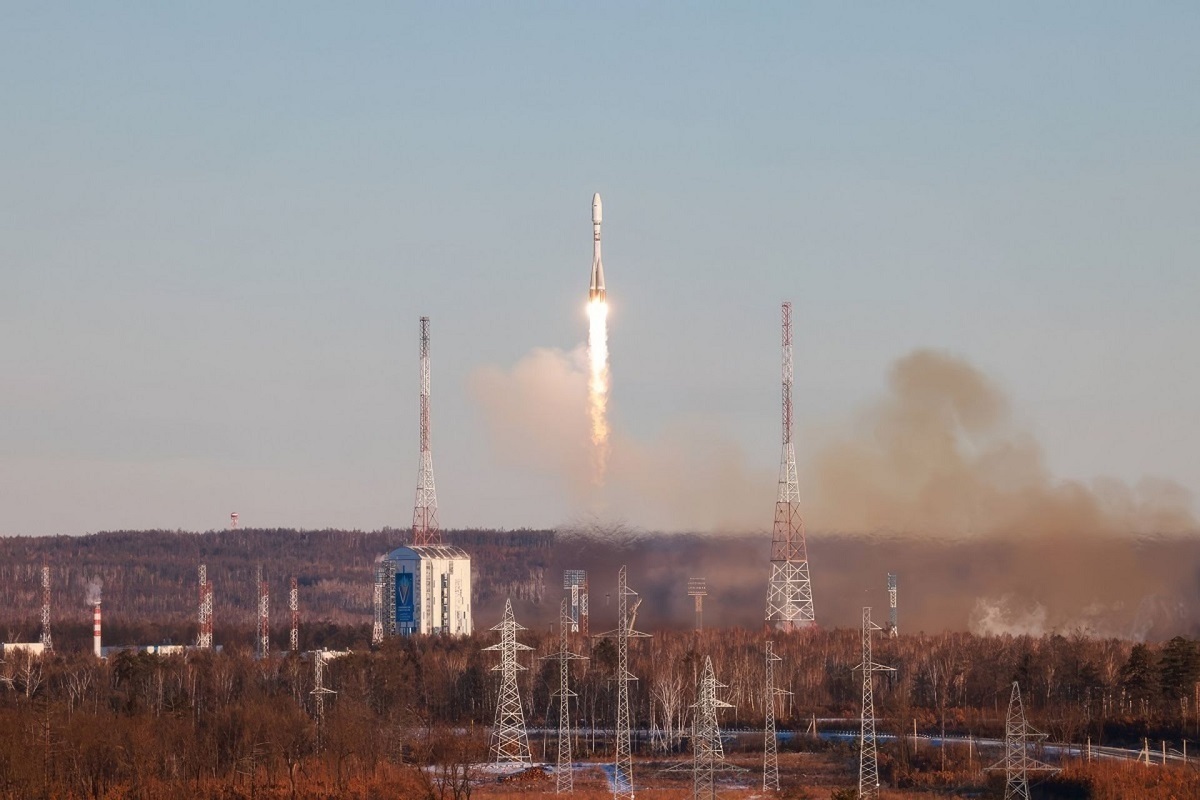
(563,774)
(319,693)
(425,528)
(1017,763)
(47,639)
(510,743)
(868,757)
(789,592)
(264,616)
(770,744)
(205,639)
(893,630)
(623,764)
(707,751)
(294,607)
(698,589)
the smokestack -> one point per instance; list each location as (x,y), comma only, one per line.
(96,630)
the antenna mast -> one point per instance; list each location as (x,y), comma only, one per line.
(893,631)
(264,616)
(789,592)
(294,607)
(204,640)
(425,528)
(47,640)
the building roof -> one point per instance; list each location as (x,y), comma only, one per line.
(427,551)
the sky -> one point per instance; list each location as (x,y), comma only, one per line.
(220,224)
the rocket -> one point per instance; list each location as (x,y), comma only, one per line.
(596,290)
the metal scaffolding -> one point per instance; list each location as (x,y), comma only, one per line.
(868,757)
(770,743)
(789,592)
(564,777)
(510,742)
(1017,763)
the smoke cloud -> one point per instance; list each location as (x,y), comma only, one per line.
(933,481)
(91,591)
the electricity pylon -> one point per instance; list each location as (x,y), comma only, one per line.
(564,779)
(623,763)
(868,756)
(770,744)
(1016,763)
(510,743)
(707,750)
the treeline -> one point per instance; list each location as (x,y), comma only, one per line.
(73,726)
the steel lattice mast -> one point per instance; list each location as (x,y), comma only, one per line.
(893,630)
(425,528)
(294,607)
(623,763)
(319,693)
(205,639)
(264,616)
(770,743)
(510,743)
(707,750)
(377,597)
(47,639)
(789,593)
(1017,764)
(563,774)
(868,757)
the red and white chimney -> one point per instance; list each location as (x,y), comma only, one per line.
(96,630)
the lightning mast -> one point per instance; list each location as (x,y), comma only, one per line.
(510,742)
(770,742)
(563,773)
(789,592)
(623,764)
(205,639)
(264,616)
(377,628)
(893,631)
(294,607)
(868,756)
(47,639)
(425,517)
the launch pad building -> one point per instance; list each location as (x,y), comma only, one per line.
(426,589)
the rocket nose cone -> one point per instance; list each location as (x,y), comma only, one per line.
(597,209)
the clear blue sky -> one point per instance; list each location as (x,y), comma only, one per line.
(219,225)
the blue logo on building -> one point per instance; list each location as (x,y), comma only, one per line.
(404,597)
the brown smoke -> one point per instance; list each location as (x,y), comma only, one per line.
(938,456)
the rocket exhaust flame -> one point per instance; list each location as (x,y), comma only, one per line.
(598,349)
(598,384)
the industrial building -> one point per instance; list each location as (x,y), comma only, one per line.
(426,589)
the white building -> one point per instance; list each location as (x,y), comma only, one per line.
(427,589)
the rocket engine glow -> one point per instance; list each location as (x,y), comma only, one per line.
(598,350)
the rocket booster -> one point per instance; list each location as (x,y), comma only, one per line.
(596,290)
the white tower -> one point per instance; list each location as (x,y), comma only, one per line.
(510,743)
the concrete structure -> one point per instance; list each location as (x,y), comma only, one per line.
(427,589)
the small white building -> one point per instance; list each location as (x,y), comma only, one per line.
(427,589)
(13,648)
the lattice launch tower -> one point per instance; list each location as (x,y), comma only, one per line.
(425,529)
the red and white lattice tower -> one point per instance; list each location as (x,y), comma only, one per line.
(294,607)
(425,528)
(205,639)
(47,640)
(264,616)
(789,593)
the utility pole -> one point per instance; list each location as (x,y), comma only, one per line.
(1017,763)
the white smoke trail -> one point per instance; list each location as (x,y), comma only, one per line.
(598,385)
